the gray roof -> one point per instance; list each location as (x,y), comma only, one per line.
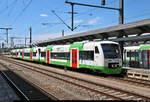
(119,31)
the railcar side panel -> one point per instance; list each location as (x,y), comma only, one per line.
(60,55)
(42,54)
(27,54)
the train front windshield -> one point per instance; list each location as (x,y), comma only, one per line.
(111,50)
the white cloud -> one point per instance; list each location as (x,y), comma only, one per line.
(43,15)
(93,21)
(78,21)
(42,37)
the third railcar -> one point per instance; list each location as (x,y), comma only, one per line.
(137,56)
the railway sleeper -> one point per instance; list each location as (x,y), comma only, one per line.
(130,97)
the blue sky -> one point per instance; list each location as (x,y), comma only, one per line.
(21,14)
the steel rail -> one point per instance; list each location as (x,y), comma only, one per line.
(132,80)
(15,87)
(98,84)
(93,90)
(33,84)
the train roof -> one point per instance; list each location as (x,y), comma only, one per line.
(108,42)
(132,47)
(97,41)
(145,47)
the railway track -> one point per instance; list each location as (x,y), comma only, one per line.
(100,89)
(24,88)
(133,81)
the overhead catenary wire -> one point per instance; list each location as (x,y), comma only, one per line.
(77,15)
(85,12)
(7,7)
(12,8)
(80,14)
(23,10)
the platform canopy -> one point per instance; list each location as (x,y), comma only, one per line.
(120,32)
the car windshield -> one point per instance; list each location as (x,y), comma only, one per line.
(111,50)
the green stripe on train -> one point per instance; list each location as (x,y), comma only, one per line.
(144,48)
(37,60)
(103,69)
(49,48)
(43,60)
(78,45)
(25,58)
(61,63)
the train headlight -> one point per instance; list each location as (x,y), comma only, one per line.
(113,65)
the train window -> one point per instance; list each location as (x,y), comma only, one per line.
(43,54)
(62,55)
(96,50)
(34,53)
(26,54)
(111,50)
(39,50)
(128,54)
(132,54)
(13,53)
(145,59)
(86,55)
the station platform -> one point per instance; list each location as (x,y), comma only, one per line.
(6,92)
(138,73)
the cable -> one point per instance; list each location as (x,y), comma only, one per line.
(12,8)
(7,7)
(111,2)
(79,15)
(23,10)
(85,12)
(127,18)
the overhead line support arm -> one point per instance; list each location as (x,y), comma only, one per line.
(73,3)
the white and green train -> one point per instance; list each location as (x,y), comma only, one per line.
(101,56)
(137,56)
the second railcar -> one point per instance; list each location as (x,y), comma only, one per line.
(101,56)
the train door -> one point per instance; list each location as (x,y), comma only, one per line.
(74,58)
(145,59)
(48,56)
(16,54)
(97,56)
(31,55)
(22,55)
(39,54)
(148,59)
